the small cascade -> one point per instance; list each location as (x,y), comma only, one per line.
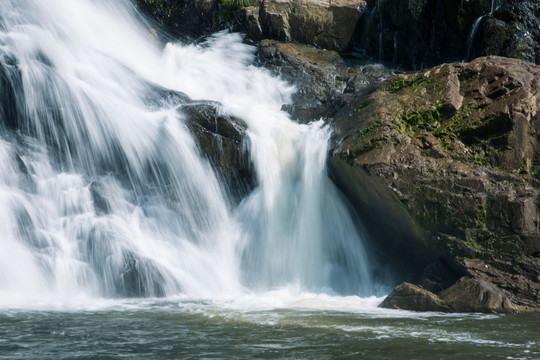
(471,37)
(494,6)
(363,45)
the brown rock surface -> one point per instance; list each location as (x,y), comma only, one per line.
(327,24)
(411,297)
(452,156)
(476,295)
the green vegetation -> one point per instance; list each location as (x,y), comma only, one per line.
(370,129)
(235,4)
(419,81)
(535,171)
(364,105)
(427,116)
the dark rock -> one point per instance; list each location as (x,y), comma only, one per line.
(100,198)
(321,77)
(419,33)
(513,31)
(11,85)
(224,141)
(438,276)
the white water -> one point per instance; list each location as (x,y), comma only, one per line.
(104,192)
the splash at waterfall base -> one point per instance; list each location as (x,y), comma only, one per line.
(440,165)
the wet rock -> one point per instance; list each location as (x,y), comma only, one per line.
(475,295)
(323,78)
(100,198)
(411,297)
(419,33)
(513,30)
(466,295)
(11,85)
(224,141)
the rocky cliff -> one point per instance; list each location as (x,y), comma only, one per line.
(412,33)
(451,155)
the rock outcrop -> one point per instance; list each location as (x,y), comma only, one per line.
(451,159)
(466,295)
(420,33)
(321,77)
(411,297)
(513,30)
(221,138)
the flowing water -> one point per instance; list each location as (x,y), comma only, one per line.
(276,326)
(119,239)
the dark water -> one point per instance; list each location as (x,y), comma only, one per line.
(187,329)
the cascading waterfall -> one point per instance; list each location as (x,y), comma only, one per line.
(104,191)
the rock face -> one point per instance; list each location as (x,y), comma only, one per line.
(412,33)
(419,33)
(330,24)
(513,30)
(444,164)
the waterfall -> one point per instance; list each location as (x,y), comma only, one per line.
(471,37)
(104,191)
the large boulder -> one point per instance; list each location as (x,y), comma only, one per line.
(513,30)
(466,295)
(407,296)
(443,166)
(221,138)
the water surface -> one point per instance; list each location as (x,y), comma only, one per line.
(300,326)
